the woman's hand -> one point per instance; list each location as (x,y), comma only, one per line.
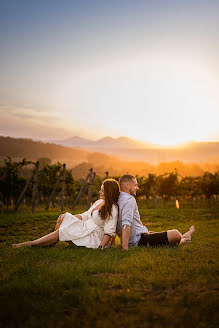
(78,216)
(60,218)
(59,221)
(105,240)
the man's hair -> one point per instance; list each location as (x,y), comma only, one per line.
(126,178)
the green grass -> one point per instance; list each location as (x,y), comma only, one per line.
(64,286)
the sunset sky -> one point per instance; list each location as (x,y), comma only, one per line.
(148,70)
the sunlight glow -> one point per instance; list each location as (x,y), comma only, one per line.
(163,100)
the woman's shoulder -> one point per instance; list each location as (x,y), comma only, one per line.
(97,202)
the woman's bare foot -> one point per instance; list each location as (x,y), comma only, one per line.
(26,243)
(187,237)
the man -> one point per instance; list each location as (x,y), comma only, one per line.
(130,228)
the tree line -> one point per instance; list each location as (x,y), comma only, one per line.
(15,174)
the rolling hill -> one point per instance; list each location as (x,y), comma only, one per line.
(33,150)
(192,160)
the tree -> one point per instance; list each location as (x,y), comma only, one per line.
(168,185)
(149,186)
(11,183)
(47,178)
(210,184)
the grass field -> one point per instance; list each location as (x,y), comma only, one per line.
(64,286)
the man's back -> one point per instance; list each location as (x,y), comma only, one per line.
(129,215)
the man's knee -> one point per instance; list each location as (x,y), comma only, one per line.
(174,236)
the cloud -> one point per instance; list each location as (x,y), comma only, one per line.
(34,123)
(28,113)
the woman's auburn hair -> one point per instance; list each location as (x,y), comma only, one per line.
(111,194)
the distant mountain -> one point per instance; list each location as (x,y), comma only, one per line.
(73,142)
(103,143)
(133,150)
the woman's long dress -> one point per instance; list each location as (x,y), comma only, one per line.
(90,230)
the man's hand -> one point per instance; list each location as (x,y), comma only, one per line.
(112,240)
(125,237)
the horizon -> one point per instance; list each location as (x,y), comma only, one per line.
(143,143)
(148,71)
(112,154)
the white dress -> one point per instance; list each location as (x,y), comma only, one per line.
(90,230)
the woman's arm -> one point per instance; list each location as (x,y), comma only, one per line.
(110,226)
(79,216)
(61,217)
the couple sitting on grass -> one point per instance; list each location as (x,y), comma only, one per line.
(115,211)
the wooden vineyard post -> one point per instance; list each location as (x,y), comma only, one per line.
(93,181)
(156,196)
(192,192)
(38,198)
(35,186)
(23,192)
(54,189)
(82,190)
(106,176)
(63,187)
(90,188)
(81,183)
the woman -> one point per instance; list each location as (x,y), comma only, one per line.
(91,229)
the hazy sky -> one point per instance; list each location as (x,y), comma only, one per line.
(144,69)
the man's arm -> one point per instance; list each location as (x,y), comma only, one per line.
(125,237)
(127,215)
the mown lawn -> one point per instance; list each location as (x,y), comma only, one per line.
(64,286)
